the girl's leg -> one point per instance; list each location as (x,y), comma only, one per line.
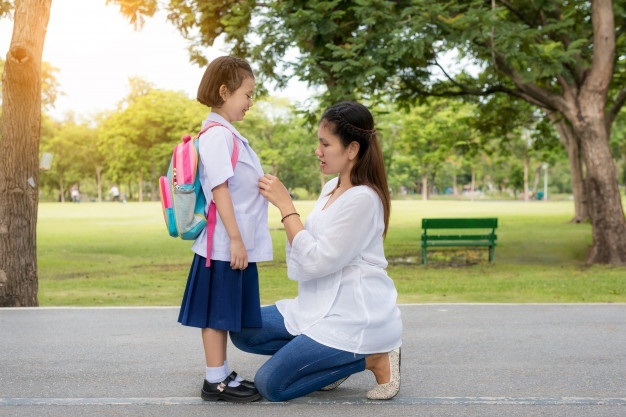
(265,340)
(214,342)
(303,366)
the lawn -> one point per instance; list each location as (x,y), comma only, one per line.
(96,254)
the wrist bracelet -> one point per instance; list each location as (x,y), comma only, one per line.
(295,213)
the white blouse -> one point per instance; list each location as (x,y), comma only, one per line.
(345,298)
(216,147)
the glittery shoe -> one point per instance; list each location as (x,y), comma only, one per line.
(390,389)
(334,385)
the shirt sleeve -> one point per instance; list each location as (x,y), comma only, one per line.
(216,147)
(346,233)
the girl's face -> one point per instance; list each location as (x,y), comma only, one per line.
(333,156)
(237,103)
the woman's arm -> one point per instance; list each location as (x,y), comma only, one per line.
(224,205)
(343,240)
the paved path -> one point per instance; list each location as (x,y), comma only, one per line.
(457,360)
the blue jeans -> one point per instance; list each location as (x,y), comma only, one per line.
(299,365)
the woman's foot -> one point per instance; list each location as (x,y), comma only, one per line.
(222,391)
(388,377)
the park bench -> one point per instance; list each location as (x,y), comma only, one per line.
(454,232)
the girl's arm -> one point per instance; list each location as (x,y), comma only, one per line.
(224,205)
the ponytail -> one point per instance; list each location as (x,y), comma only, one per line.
(353,122)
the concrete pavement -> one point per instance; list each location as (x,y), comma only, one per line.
(457,360)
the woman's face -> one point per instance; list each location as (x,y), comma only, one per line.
(333,156)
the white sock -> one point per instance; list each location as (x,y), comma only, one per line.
(216,374)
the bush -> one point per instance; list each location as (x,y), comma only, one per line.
(300,194)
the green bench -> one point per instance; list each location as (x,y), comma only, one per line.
(454,232)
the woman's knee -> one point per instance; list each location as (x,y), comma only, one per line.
(268,384)
(241,340)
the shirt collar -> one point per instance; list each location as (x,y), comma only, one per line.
(214,117)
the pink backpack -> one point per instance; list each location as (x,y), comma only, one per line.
(182,198)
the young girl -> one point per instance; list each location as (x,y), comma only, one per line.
(222,294)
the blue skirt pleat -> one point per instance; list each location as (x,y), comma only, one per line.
(220,297)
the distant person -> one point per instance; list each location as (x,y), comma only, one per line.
(222,291)
(345,318)
(115,193)
(75,193)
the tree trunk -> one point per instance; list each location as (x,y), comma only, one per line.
(455,186)
(19,154)
(61,190)
(605,203)
(424,187)
(572,145)
(526,170)
(99,182)
(141,187)
(586,113)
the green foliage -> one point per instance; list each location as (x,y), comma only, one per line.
(72,145)
(6,7)
(283,143)
(136,10)
(138,138)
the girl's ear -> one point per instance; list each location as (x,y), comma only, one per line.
(353,150)
(224,93)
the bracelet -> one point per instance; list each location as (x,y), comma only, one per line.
(290,214)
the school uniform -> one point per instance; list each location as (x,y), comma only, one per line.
(217,296)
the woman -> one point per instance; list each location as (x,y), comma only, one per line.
(345,318)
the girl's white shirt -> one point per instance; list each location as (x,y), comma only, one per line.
(345,298)
(251,208)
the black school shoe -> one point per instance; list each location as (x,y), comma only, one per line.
(245,382)
(221,391)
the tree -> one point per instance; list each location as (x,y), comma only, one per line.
(74,152)
(138,138)
(557,55)
(569,48)
(19,150)
(283,143)
(431,133)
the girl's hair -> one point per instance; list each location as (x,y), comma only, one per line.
(225,70)
(353,122)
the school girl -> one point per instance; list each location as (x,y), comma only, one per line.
(222,291)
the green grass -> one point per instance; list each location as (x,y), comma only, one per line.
(93,254)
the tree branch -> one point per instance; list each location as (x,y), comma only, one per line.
(532,91)
(599,76)
(517,13)
(618,103)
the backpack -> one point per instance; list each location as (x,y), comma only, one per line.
(182,198)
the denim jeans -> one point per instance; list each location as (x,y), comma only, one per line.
(299,365)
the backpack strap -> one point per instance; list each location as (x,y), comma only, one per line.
(212,212)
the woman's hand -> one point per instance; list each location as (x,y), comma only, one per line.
(271,188)
(276,193)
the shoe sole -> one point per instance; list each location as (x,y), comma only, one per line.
(217,397)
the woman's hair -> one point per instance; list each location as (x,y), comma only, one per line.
(353,122)
(225,70)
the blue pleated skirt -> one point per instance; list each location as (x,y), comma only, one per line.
(220,297)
